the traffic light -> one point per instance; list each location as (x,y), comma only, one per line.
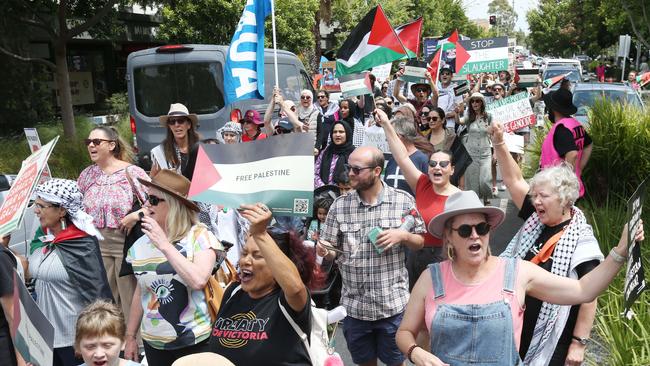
(493,19)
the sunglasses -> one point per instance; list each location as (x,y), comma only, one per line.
(176,121)
(465,231)
(154,200)
(421,90)
(305,97)
(442,163)
(356,169)
(434,119)
(425,118)
(497,89)
(321,97)
(96,142)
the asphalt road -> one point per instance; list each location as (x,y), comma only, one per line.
(499,239)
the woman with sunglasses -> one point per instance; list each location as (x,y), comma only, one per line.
(557,238)
(331,161)
(275,272)
(66,263)
(172,263)
(109,189)
(431,191)
(478,176)
(473,303)
(173,152)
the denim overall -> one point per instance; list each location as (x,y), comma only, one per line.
(474,334)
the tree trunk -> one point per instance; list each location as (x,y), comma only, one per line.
(63,84)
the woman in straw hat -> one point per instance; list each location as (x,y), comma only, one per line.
(472,303)
(173,152)
(172,263)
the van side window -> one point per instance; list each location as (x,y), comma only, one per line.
(306,81)
(197,85)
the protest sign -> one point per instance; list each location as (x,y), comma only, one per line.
(382,72)
(278,171)
(375,136)
(329,82)
(634,275)
(429,46)
(15,203)
(513,112)
(355,84)
(32,333)
(527,77)
(414,72)
(485,55)
(34,143)
(461,88)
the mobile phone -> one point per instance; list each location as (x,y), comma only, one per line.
(372,235)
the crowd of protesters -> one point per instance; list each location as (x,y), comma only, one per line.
(121,257)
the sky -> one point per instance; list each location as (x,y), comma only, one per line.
(478,9)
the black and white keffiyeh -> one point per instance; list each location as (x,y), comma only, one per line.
(564,249)
(65,193)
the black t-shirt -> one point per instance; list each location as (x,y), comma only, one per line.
(534,305)
(255,332)
(563,140)
(7,266)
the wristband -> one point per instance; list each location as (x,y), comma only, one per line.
(499,143)
(617,257)
(410,351)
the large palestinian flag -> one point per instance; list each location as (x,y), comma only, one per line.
(371,43)
(278,171)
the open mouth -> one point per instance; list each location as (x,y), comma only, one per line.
(245,275)
(100,363)
(474,248)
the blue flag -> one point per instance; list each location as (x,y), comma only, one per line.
(243,74)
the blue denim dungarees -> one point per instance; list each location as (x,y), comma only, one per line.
(474,334)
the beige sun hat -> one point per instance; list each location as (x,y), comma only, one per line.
(179,110)
(464,202)
(203,359)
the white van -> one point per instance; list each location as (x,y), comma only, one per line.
(192,74)
(551,62)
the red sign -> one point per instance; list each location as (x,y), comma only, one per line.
(18,193)
(520,123)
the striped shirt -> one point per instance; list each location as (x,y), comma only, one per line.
(56,295)
(375,286)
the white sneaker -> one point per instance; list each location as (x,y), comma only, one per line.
(502,187)
(495,191)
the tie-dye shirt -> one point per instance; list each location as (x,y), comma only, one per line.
(175,315)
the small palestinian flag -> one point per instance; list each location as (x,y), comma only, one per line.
(643,79)
(355,84)
(554,80)
(409,34)
(372,42)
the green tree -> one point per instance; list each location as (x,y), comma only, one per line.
(551,32)
(505,16)
(60,21)
(637,14)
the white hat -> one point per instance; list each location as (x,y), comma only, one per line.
(464,202)
(178,109)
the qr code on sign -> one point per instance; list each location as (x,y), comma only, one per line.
(300,205)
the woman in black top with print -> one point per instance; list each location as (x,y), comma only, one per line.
(274,268)
(556,237)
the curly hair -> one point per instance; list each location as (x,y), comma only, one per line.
(302,256)
(562,180)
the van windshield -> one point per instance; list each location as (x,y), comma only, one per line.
(194,84)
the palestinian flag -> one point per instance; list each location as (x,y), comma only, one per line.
(451,43)
(643,79)
(355,84)
(409,35)
(371,43)
(278,171)
(554,80)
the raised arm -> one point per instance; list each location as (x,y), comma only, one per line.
(512,177)
(283,269)
(434,88)
(397,148)
(564,291)
(397,89)
(268,115)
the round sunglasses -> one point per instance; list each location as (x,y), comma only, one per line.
(465,230)
(443,163)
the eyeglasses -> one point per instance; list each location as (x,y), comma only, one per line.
(305,97)
(442,163)
(321,97)
(356,169)
(176,121)
(465,230)
(41,207)
(421,90)
(154,200)
(96,142)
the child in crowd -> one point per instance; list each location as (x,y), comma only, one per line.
(322,207)
(100,335)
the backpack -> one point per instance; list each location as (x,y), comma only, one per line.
(318,341)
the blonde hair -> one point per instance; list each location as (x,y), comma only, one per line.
(98,319)
(180,218)
(122,150)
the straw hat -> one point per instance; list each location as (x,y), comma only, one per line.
(172,183)
(464,202)
(176,110)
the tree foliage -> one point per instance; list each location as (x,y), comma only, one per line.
(505,17)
